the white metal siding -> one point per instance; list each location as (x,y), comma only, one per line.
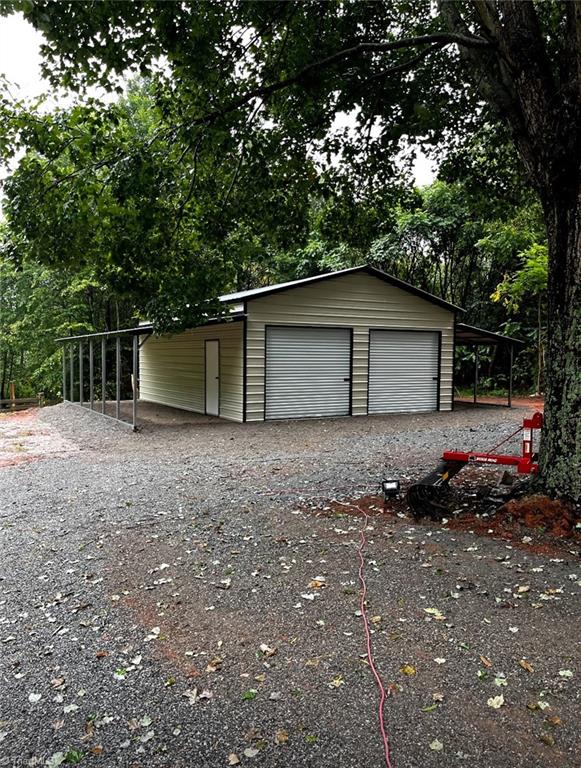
(172,369)
(403,371)
(358,300)
(308,372)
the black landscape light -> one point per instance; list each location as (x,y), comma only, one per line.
(390,488)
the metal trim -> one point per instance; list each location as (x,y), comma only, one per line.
(219,377)
(245,363)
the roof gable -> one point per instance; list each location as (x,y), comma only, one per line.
(256,293)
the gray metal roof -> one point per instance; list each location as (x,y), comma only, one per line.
(256,293)
(469,334)
(141,329)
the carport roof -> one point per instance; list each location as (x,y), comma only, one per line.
(469,334)
(256,293)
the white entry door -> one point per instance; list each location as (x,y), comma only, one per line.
(213,378)
(403,371)
(308,372)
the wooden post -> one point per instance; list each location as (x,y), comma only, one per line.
(103,373)
(476,358)
(91,372)
(12,396)
(118,376)
(135,379)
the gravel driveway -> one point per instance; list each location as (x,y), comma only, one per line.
(185,597)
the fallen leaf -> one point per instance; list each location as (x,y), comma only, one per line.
(249,695)
(215,664)
(281,737)
(337,682)
(496,702)
(548,739)
(267,650)
(101,654)
(440,660)
(233,759)
(526,666)
(436,613)
(554,720)
(437,696)
(436,745)
(250,752)
(34,697)
(318,583)
(565,673)
(408,670)
(486,661)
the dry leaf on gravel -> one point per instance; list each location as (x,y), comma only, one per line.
(408,670)
(436,745)
(526,666)
(267,650)
(496,702)
(233,759)
(281,737)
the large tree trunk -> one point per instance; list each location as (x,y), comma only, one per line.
(560,470)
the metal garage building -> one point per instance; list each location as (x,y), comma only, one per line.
(345,343)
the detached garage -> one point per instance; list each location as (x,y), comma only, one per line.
(352,342)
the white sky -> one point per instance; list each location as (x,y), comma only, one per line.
(20,62)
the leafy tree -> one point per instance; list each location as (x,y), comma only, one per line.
(401,70)
(529,282)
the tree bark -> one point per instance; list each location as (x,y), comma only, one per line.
(560,460)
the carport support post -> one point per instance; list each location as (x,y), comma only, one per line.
(72,372)
(80,372)
(511,359)
(103,373)
(64,372)
(135,364)
(91,372)
(118,376)
(476,356)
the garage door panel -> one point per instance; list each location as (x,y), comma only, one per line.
(403,371)
(308,372)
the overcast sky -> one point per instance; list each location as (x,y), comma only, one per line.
(20,63)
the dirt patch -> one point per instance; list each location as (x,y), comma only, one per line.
(554,516)
(535,522)
(24,438)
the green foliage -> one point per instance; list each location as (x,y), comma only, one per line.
(530,281)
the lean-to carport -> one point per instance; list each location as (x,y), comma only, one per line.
(73,360)
(469,336)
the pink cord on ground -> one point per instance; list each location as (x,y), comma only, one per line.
(378,680)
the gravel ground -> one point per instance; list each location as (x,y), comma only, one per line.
(185,597)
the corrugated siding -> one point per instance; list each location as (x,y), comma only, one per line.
(172,369)
(357,300)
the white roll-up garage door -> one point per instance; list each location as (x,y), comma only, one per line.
(403,371)
(308,372)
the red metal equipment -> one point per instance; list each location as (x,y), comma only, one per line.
(427,496)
